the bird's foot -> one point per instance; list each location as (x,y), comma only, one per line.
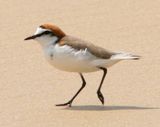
(100,96)
(69,103)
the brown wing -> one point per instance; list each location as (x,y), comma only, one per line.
(81,44)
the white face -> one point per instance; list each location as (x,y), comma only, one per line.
(40,30)
(44,38)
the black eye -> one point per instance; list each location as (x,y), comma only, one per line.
(47,32)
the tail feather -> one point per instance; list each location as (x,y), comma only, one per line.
(125,56)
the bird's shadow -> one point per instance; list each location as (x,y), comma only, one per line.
(106,108)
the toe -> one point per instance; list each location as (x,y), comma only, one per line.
(100,96)
(65,104)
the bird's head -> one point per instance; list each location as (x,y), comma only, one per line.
(47,33)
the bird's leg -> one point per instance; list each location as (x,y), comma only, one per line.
(70,101)
(99,93)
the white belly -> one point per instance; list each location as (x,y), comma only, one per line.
(68,59)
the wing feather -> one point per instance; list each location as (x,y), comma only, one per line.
(81,44)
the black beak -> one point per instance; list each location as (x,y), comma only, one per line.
(31,37)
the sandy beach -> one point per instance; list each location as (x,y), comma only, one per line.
(30,87)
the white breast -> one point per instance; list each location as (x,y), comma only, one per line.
(69,59)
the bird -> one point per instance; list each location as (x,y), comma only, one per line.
(72,54)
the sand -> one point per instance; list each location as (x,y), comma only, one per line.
(30,87)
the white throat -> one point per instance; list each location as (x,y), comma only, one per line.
(45,40)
